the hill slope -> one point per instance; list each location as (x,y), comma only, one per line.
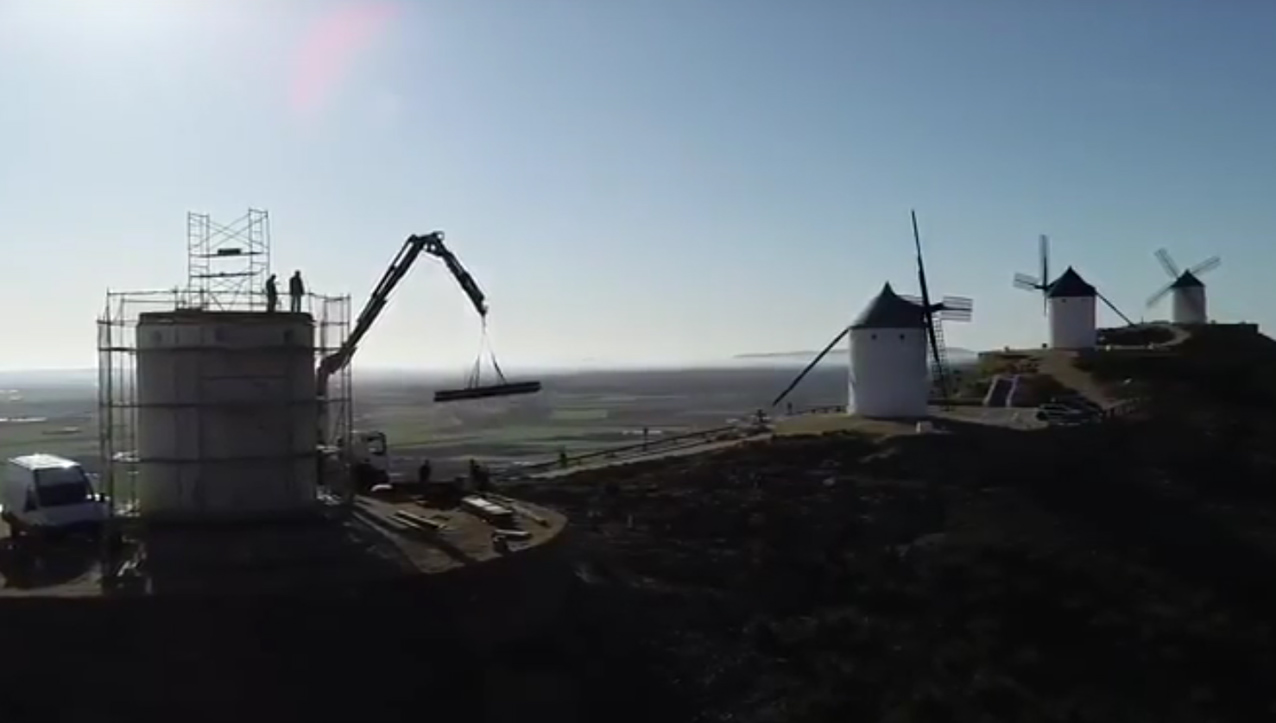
(1117,572)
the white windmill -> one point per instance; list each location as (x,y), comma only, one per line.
(1070,303)
(893,341)
(1187,292)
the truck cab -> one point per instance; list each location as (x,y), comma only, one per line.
(46,493)
(369,447)
(368,459)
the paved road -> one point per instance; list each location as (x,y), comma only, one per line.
(683,451)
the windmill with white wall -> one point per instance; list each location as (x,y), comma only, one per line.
(1069,302)
(1185,289)
(893,342)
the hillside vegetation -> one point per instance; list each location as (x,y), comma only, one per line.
(1121,572)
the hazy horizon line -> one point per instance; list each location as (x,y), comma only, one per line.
(744,361)
(783,359)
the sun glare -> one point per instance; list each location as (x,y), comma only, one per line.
(330,47)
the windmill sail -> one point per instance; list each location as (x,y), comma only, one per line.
(1038,283)
(939,357)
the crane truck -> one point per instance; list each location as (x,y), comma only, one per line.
(366,457)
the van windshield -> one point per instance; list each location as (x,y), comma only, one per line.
(56,488)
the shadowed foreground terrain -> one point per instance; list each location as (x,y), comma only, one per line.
(1106,573)
(1114,572)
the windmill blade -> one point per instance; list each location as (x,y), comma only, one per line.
(911,298)
(818,358)
(921,266)
(1168,264)
(1043,250)
(957,308)
(1112,306)
(1207,265)
(1154,298)
(927,309)
(1026,282)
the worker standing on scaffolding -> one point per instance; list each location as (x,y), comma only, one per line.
(272,295)
(296,290)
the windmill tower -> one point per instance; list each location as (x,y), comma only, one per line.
(1187,292)
(1073,312)
(1069,302)
(889,348)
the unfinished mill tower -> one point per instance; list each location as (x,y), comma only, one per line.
(210,395)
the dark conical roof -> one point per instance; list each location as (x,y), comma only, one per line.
(889,311)
(1187,280)
(1070,284)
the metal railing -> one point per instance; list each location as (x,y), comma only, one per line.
(250,301)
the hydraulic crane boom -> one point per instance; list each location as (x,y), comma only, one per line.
(413,247)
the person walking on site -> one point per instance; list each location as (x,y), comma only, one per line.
(272,295)
(296,290)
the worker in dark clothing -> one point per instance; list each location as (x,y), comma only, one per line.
(479,477)
(423,473)
(272,295)
(296,290)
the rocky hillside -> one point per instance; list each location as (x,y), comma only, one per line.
(1113,573)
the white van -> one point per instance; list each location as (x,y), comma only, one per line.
(42,492)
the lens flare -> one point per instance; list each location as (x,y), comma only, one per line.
(330,48)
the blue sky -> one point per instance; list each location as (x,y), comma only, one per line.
(635,181)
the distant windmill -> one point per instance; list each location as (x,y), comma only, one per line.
(890,341)
(1187,300)
(1070,303)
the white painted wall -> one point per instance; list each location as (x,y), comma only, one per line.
(889,376)
(1072,322)
(226,414)
(1188,306)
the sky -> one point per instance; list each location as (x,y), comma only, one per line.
(635,181)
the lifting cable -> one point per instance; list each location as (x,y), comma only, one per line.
(475,377)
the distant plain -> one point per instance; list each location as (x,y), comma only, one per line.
(575,412)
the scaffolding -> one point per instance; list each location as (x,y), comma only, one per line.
(227,264)
(118,400)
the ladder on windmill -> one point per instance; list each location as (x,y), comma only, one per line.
(939,369)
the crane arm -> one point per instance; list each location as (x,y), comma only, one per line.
(413,247)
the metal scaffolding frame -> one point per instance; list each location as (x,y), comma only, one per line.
(227,264)
(117,391)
